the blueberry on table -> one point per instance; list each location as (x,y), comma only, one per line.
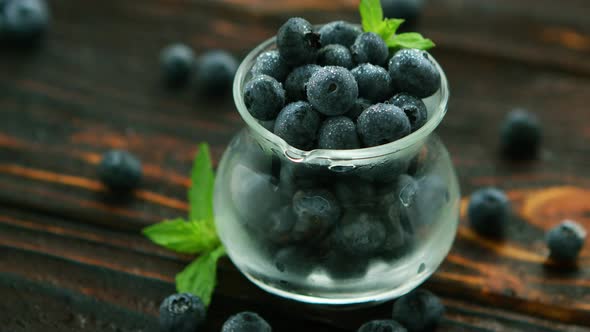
(264,97)
(335,55)
(25,20)
(297,42)
(418,311)
(338,133)
(181,313)
(246,322)
(360,234)
(565,241)
(369,48)
(359,106)
(383,325)
(488,211)
(296,82)
(270,63)
(520,135)
(332,90)
(373,81)
(414,108)
(381,124)
(317,211)
(298,124)
(339,32)
(119,170)
(177,62)
(412,71)
(215,72)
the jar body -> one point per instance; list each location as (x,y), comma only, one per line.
(380,227)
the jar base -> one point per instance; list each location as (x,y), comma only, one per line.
(352,302)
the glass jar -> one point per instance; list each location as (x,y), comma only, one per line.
(336,227)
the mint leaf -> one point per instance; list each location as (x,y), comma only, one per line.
(371,15)
(199,277)
(390,27)
(372,20)
(410,40)
(200,194)
(181,236)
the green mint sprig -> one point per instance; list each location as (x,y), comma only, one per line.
(197,235)
(373,21)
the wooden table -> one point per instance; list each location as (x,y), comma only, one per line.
(72,257)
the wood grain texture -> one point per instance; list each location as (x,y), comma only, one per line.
(88,274)
(95,85)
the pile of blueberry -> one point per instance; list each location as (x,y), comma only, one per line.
(418,311)
(214,71)
(310,218)
(489,214)
(339,88)
(23,21)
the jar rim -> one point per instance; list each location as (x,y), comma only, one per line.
(298,155)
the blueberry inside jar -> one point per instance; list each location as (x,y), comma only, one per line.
(347,197)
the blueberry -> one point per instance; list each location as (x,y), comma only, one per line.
(395,227)
(414,108)
(120,170)
(520,135)
(293,260)
(369,48)
(412,71)
(332,90)
(246,322)
(335,55)
(250,188)
(297,42)
(385,325)
(338,133)
(25,20)
(293,177)
(270,63)
(268,125)
(296,82)
(264,97)
(395,239)
(565,241)
(357,108)
(418,311)
(355,192)
(298,124)
(343,266)
(360,234)
(488,211)
(215,72)
(317,211)
(280,225)
(374,82)
(177,62)
(381,124)
(339,32)
(181,313)
(430,196)
(409,10)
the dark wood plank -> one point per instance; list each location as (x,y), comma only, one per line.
(65,275)
(89,89)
